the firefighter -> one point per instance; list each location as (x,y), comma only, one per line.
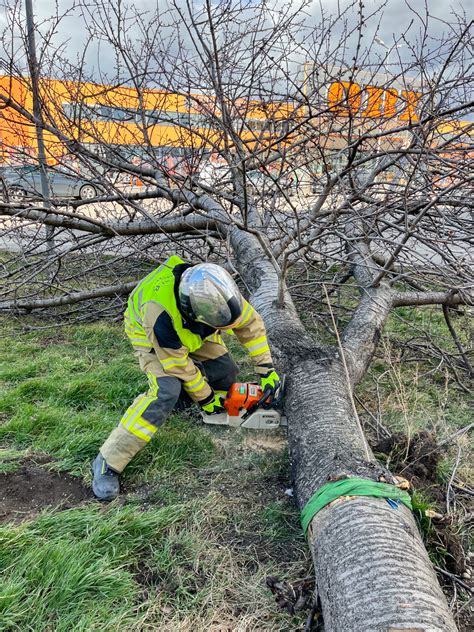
(174,320)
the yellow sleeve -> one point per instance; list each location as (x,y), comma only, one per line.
(250,331)
(172,354)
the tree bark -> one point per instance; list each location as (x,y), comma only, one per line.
(372,570)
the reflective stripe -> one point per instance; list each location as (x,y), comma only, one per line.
(136,316)
(215,337)
(140,339)
(171,362)
(133,420)
(257,347)
(196,388)
(245,316)
(144,400)
(251,345)
(262,349)
(158,287)
(194,385)
(152,381)
(142,429)
(133,413)
(142,345)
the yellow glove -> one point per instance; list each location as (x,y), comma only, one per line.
(271,380)
(213,407)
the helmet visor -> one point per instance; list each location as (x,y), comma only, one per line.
(209,295)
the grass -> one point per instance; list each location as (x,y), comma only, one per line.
(411,392)
(204,518)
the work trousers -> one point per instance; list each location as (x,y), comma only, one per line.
(150,410)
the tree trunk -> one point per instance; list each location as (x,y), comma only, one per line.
(372,571)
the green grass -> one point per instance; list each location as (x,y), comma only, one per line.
(204,518)
(411,391)
(188,546)
(74,570)
(70,395)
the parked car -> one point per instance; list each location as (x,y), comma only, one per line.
(20,182)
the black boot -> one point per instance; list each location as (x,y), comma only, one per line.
(105,483)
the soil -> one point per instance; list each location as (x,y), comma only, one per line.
(415,458)
(31,488)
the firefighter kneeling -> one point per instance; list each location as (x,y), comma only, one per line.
(174,320)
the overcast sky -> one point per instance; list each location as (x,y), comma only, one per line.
(391,22)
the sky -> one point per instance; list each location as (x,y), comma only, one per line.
(389,24)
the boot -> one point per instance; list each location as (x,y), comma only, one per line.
(105,483)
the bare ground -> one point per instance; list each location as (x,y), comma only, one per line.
(31,488)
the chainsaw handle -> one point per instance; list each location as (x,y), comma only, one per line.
(265,395)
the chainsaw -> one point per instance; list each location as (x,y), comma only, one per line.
(249,406)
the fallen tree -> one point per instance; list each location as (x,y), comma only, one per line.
(377,220)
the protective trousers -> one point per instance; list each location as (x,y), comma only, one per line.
(151,409)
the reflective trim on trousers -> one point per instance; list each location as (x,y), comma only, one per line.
(133,421)
(142,429)
(256,345)
(169,363)
(194,385)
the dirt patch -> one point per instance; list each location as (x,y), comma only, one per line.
(415,458)
(271,441)
(31,488)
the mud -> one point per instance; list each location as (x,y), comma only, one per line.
(31,488)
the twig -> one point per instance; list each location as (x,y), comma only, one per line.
(455,578)
(346,369)
(376,420)
(458,433)
(453,474)
(462,488)
(457,342)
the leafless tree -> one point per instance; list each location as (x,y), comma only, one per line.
(370,189)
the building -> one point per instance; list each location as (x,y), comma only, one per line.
(128,122)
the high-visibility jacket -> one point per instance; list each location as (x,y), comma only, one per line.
(153,322)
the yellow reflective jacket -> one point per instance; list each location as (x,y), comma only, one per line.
(153,322)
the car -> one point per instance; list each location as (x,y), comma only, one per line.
(20,182)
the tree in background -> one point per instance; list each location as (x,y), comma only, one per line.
(298,151)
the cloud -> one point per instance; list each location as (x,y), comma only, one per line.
(72,37)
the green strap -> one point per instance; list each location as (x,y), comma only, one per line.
(350,487)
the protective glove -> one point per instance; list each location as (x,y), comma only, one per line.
(213,407)
(272,380)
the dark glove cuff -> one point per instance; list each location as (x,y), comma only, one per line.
(207,400)
(264,370)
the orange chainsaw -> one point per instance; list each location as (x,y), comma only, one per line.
(249,406)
